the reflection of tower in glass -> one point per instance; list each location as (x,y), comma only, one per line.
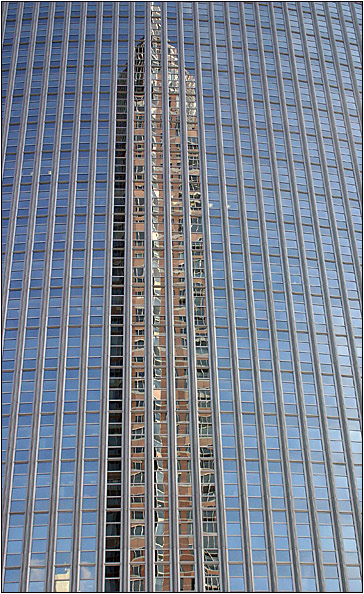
(114,481)
(184,453)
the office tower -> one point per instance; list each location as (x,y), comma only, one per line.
(181,296)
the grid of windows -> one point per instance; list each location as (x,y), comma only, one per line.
(181,312)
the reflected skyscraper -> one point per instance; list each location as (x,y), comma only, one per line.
(181,296)
(159,385)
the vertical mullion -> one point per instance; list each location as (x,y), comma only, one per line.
(101,536)
(324,425)
(192,379)
(13,421)
(230,301)
(125,522)
(85,328)
(288,291)
(346,115)
(260,417)
(333,226)
(305,276)
(44,307)
(340,166)
(351,339)
(349,58)
(269,297)
(18,167)
(243,490)
(170,349)
(61,370)
(222,537)
(356,27)
(4,15)
(12,73)
(148,300)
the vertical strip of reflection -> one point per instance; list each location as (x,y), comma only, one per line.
(270,307)
(148,308)
(161,465)
(349,58)
(115,393)
(306,399)
(234,384)
(214,388)
(260,422)
(39,370)
(125,467)
(43,470)
(138,486)
(356,25)
(336,143)
(17,173)
(4,14)
(181,369)
(11,80)
(107,326)
(61,370)
(13,420)
(291,316)
(343,98)
(345,306)
(192,380)
(204,400)
(331,211)
(170,341)
(349,222)
(85,328)
(7,269)
(321,403)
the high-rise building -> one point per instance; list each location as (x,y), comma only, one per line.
(181,298)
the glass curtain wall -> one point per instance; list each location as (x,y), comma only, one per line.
(181,296)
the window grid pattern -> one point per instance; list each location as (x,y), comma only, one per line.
(181,255)
(115,404)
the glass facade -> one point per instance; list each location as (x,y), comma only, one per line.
(181,311)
